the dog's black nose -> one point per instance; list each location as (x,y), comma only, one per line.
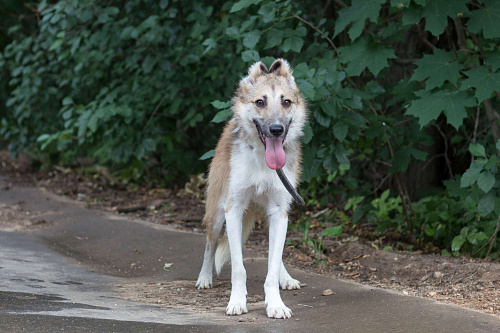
(276,129)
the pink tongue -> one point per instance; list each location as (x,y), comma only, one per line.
(275,155)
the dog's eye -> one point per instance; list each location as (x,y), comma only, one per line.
(287,103)
(260,103)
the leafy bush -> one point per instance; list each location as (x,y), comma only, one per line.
(397,90)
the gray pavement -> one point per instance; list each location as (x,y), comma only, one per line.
(63,278)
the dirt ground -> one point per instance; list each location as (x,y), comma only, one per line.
(468,282)
(182,294)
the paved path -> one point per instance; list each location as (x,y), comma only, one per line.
(63,278)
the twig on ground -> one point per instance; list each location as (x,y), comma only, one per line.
(131,209)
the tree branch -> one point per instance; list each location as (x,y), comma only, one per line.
(448,163)
(317,30)
(490,113)
(460,33)
(494,237)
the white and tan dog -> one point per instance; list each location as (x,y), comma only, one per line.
(262,136)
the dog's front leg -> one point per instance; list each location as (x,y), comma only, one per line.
(234,219)
(278,223)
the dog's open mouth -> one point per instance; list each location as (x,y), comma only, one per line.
(276,158)
(275,154)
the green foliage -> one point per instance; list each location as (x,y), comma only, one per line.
(139,85)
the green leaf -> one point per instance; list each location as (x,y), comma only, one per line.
(341,154)
(492,58)
(485,181)
(363,53)
(268,12)
(340,131)
(250,39)
(221,105)
(293,43)
(163,4)
(357,14)
(67,101)
(207,155)
(436,14)
(210,43)
(492,162)
(306,89)
(483,81)
(308,134)
(43,137)
(222,116)
(56,44)
(475,238)
(445,253)
(486,204)
(457,242)
(149,144)
(274,37)
(149,63)
(418,154)
(242,4)
(388,248)
(401,160)
(321,118)
(470,176)
(430,105)
(477,150)
(437,68)
(333,231)
(250,56)
(486,20)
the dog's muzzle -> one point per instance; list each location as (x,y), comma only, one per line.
(275,132)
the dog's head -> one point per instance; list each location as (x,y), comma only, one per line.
(271,109)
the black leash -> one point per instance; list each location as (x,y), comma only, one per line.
(290,188)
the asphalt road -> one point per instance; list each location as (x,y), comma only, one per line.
(63,278)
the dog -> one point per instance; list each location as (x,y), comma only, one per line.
(263,135)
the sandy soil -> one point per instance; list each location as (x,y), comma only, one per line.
(15,218)
(181,294)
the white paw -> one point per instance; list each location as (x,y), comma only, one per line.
(290,284)
(204,282)
(236,306)
(278,311)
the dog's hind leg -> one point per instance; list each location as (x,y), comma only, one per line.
(206,273)
(286,281)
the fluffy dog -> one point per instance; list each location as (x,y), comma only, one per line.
(263,135)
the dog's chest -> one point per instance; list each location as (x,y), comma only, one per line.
(249,170)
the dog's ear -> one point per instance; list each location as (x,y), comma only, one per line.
(254,72)
(281,67)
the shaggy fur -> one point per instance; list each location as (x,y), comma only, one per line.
(240,183)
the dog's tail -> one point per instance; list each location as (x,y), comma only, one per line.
(222,254)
